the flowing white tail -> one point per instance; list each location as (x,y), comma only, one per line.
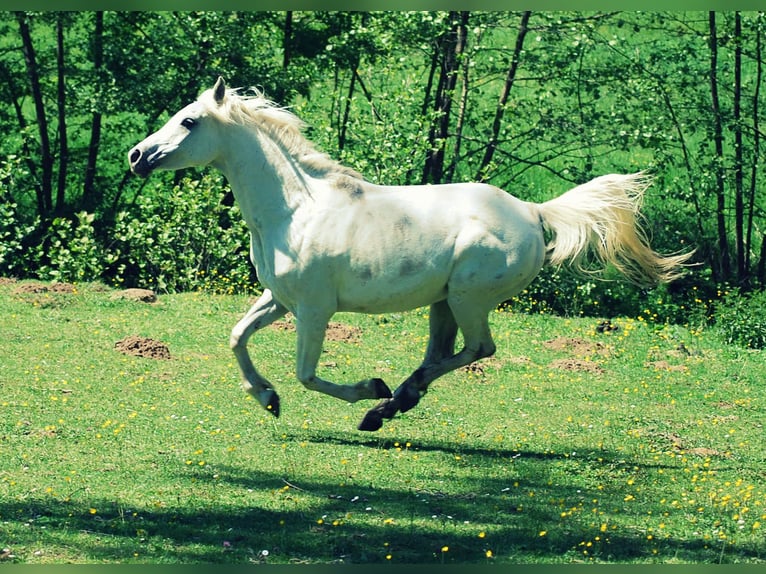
(602,218)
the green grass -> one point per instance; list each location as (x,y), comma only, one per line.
(643,444)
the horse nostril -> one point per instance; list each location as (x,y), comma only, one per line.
(135,155)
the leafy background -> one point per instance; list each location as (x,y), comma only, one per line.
(533,102)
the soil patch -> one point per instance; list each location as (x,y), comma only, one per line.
(142,347)
(335,331)
(343,333)
(34,288)
(664,366)
(142,295)
(680,445)
(579,347)
(283,325)
(577,365)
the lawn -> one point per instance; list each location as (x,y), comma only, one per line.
(634,443)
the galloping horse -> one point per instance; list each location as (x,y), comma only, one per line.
(324,240)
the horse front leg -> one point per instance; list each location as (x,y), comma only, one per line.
(311,327)
(265,311)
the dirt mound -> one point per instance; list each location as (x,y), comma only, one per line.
(341,332)
(33,288)
(335,331)
(579,347)
(577,365)
(63,288)
(142,347)
(664,366)
(30,289)
(142,295)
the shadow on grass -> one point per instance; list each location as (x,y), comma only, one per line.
(315,521)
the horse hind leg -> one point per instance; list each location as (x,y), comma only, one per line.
(440,358)
(441,346)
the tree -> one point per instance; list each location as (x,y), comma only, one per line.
(448,53)
(88,188)
(504,94)
(44,186)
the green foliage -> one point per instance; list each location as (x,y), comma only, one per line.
(740,319)
(183,239)
(70,251)
(13,227)
(180,240)
(13,259)
(594,93)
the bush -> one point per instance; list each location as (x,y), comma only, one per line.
(182,241)
(13,227)
(12,233)
(70,251)
(740,319)
(562,291)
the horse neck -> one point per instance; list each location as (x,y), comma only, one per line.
(267,183)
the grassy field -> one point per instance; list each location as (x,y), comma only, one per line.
(639,444)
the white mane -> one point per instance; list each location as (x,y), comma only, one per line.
(284,127)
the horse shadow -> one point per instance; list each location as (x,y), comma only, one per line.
(312,519)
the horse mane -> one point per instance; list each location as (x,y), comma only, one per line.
(284,127)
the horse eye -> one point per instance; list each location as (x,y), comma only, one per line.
(188,123)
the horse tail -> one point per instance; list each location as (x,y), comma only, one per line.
(600,219)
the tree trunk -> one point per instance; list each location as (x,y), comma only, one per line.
(29,159)
(466,65)
(756,138)
(88,190)
(44,188)
(718,160)
(62,131)
(452,45)
(739,203)
(346,112)
(500,110)
(426,100)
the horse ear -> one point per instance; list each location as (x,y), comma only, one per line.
(219,91)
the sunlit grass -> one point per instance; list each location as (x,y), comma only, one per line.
(638,444)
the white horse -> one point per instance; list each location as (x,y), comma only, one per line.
(324,240)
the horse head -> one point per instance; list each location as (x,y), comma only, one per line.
(188,139)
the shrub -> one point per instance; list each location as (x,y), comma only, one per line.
(13,228)
(182,241)
(740,319)
(12,233)
(70,251)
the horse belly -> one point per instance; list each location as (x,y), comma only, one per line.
(410,287)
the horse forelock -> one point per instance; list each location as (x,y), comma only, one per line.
(257,112)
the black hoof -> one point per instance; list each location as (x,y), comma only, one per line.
(381,389)
(371,422)
(273,406)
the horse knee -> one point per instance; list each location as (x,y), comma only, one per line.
(235,339)
(309,382)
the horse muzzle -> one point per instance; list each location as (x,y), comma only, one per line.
(139,161)
(144,160)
